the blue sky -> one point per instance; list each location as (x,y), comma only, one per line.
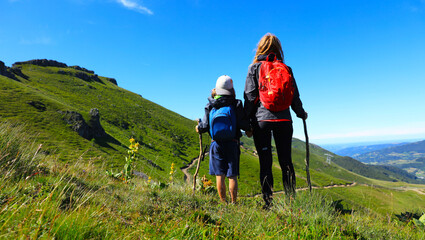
(359,65)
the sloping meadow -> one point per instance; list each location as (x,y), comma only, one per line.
(42,198)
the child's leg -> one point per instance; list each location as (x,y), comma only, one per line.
(233,188)
(221,187)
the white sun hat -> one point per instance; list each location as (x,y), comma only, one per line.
(224,85)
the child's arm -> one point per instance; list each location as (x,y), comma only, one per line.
(203,125)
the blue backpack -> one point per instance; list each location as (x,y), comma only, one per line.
(223,123)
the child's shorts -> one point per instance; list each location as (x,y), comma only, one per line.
(224,158)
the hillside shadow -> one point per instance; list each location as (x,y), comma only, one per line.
(339,207)
(107,141)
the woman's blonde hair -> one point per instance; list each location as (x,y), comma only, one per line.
(269,43)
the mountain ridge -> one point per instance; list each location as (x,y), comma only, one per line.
(45,89)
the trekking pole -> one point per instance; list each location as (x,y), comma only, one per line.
(307,155)
(199,162)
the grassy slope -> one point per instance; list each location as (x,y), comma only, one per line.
(370,171)
(409,151)
(41,198)
(165,136)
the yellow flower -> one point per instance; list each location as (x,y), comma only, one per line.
(171,173)
(207,183)
(132,140)
(149,179)
(137,145)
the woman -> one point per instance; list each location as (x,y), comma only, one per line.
(266,122)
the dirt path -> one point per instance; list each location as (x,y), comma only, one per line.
(418,191)
(314,187)
(187,176)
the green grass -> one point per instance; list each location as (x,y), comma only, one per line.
(60,190)
(166,137)
(53,199)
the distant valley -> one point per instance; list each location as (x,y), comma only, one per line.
(409,156)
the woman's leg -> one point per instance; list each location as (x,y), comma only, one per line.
(282,134)
(262,140)
(221,187)
(233,188)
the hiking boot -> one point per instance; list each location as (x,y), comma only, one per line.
(268,202)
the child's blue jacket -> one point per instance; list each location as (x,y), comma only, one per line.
(242,121)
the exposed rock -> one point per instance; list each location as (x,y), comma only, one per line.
(3,68)
(82,75)
(77,123)
(94,123)
(82,69)
(42,62)
(5,71)
(112,80)
(87,131)
(87,78)
(18,71)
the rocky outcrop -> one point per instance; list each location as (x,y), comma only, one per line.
(17,71)
(42,63)
(82,75)
(82,69)
(3,68)
(87,131)
(112,80)
(94,124)
(88,78)
(6,71)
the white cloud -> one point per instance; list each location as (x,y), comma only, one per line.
(36,41)
(134,5)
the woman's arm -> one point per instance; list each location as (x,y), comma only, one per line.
(251,91)
(297,105)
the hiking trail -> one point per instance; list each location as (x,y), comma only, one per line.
(188,177)
(315,187)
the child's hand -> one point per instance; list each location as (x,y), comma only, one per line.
(196,128)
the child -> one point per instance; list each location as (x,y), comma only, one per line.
(224,117)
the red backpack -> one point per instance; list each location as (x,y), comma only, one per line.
(276,85)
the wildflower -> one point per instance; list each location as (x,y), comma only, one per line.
(207,183)
(149,179)
(172,169)
(132,140)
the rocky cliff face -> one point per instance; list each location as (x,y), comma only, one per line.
(42,62)
(7,72)
(84,74)
(88,131)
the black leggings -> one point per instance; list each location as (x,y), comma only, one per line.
(282,134)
